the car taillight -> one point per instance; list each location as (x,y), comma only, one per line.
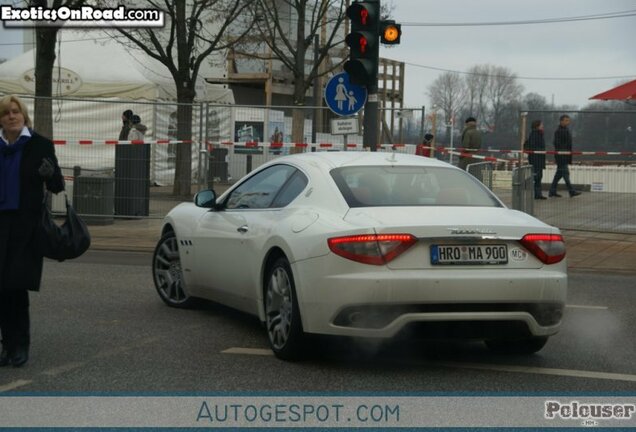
(549,248)
(374,249)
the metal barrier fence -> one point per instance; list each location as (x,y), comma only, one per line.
(603,168)
(592,130)
(609,203)
(523,189)
(230,141)
(482,171)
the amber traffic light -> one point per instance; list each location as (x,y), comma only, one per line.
(390,32)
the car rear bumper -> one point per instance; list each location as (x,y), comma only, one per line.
(339,297)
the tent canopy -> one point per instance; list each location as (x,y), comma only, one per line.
(623,92)
(90,64)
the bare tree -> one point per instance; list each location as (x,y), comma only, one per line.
(535,102)
(386,10)
(502,89)
(45,39)
(194,30)
(476,83)
(288,28)
(448,93)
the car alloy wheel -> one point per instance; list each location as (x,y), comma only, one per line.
(167,272)
(284,327)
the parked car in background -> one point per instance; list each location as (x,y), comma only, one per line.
(367,244)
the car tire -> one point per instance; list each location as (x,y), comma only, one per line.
(282,315)
(167,273)
(517,346)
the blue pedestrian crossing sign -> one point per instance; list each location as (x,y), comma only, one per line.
(344,98)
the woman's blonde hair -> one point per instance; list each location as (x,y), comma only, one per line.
(5,106)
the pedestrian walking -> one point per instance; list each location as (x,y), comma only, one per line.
(27,165)
(536,143)
(126,118)
(563,143)
(471,141)
(137,129)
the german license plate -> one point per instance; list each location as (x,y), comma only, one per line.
(469,254)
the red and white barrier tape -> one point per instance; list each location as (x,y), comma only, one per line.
(545,152)
(475,156)
(455,150)
(119,142)
(255,144)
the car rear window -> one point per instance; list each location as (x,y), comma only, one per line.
(374,186)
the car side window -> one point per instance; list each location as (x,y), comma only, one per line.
(259,191)
(291,190)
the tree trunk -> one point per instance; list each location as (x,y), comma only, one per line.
(183,169)
(298,126)
(44,60)
(298,116)
(185,98)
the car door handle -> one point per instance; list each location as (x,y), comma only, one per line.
(243,229)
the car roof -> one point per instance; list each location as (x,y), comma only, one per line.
(331,160)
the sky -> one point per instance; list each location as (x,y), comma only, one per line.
(10,39)
(583,49)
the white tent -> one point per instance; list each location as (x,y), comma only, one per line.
(97,79)
(100,67)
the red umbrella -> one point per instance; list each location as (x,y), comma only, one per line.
(624,92)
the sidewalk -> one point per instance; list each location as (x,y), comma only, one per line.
(585,250)
(599,251)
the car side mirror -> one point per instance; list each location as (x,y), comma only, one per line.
(205,199)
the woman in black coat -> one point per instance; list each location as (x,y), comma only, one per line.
(536,142)
(27,165)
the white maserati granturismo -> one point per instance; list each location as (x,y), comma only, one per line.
(367,244)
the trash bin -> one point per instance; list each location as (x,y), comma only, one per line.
(93,198)
(132,180)
(217,170)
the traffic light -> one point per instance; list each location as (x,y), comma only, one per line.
(362,66)
(390,32)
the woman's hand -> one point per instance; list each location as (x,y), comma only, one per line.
(46,169)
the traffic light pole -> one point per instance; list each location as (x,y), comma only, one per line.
(367,30)
(370,137)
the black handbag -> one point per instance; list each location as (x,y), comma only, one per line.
(64,242)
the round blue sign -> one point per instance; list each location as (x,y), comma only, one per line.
(344,98)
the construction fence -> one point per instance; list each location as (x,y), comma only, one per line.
(108,178)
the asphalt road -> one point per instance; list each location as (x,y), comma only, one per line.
(99,326)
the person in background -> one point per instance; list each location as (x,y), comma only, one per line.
(137,130)
(27,165)
(562,143)
(471,141)
(536,142)
(126,119)
(425,149)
